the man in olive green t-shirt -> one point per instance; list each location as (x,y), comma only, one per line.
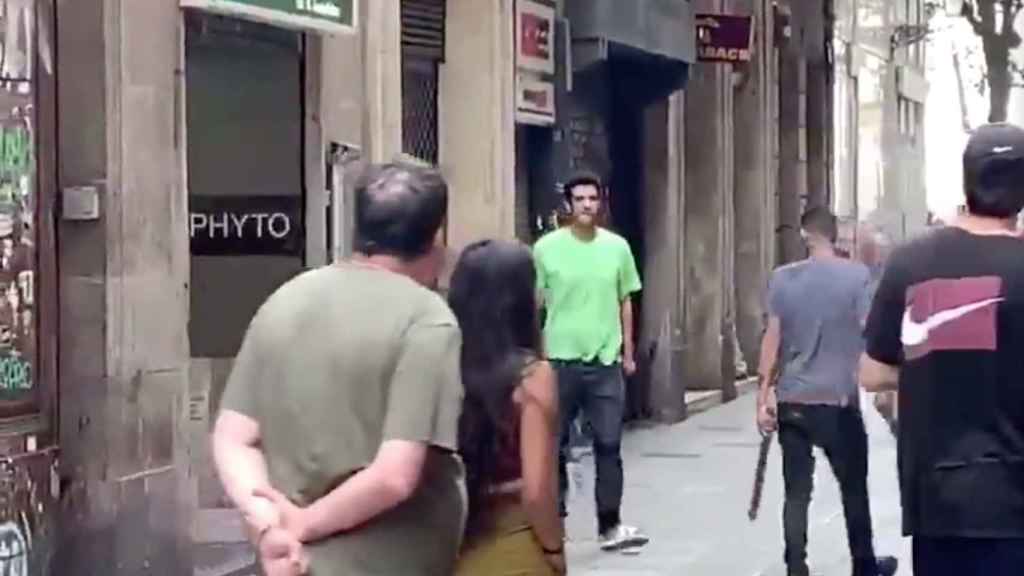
(586,276)
(337,432)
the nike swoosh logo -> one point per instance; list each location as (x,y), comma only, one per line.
(915,333)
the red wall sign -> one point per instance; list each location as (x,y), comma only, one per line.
(535,36)
(536,39)
(722,38)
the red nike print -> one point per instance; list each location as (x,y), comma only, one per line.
(951,314)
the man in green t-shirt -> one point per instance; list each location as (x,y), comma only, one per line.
(337,432)
(586,276)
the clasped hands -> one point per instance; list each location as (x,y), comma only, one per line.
(280,527)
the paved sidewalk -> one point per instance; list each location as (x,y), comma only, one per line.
(689,487)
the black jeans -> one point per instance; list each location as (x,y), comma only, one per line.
(962,556)
(840,432)
(599,391)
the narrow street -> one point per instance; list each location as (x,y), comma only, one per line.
(689,486)
(166,166)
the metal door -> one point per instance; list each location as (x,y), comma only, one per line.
(244,99)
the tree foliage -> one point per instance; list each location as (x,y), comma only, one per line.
(993,21)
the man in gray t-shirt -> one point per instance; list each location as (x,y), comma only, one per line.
(820,304)
(809,393)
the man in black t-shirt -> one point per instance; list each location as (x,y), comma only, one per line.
(947,330)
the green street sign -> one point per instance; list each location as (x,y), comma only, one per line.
(330,16)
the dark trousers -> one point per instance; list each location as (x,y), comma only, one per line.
(599,391)
(840,432)
(968,556)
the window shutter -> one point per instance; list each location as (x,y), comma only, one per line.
(423,28)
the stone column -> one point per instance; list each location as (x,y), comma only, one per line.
(892,205)
(663,234)
(708,177)
(754,185)
(477,120)
(124,297)
(818,109)
(792,142)
(382,76)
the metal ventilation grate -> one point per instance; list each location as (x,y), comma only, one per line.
(419,109)
(423,44)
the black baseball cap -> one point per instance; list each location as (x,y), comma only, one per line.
(994,170)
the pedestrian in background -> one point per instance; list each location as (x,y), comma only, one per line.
(586,276)
(508,433)
(872,249)
(808,388)
(337,432)
(947,331)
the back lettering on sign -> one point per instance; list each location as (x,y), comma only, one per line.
(246,225)
(231,225)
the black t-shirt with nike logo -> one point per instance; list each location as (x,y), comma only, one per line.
(950,312)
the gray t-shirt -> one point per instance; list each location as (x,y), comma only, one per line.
(821,305)
(337,361)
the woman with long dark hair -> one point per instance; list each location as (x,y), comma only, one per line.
(508,430)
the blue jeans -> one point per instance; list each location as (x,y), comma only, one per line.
(599,391)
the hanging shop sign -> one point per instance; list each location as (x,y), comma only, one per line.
(246,225)
(535,62)
(535,101)
(329,16)
(535,37)
(723,38)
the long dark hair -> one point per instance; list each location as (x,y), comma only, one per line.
(492,293)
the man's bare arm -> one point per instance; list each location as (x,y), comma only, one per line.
(390,480)
(242,468)
(876,376)
(768,363)
(626,314)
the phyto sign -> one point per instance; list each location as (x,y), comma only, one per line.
(246,225)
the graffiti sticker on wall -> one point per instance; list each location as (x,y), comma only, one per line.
(17,253)
(22,41)
(13,550)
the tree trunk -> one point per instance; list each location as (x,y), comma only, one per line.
(997,38)
(999,83)
(997,61)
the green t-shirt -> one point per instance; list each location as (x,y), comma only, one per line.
(335,362)
(583,285)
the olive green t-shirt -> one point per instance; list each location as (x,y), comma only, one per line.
(583,284)
(336,361)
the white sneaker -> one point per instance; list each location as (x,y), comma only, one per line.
(620,537)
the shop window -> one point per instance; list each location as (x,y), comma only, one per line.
(25,54)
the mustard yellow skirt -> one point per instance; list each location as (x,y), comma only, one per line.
(509,549)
